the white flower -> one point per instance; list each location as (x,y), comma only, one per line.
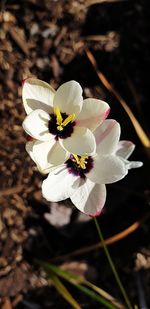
(59,121)
(83,178)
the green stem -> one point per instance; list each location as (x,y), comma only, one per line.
(112,266)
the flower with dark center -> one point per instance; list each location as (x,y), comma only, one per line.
(82,178)
(60,122)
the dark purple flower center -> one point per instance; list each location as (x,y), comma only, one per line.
(81,166)
(53,126)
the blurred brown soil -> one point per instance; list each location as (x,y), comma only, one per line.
(47,39)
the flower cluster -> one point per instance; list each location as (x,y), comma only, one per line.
(71,140)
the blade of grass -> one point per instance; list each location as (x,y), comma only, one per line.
(138,128)
(104,294)
(81,280)
(59,286)
(77,281)
(112,266)
(90,293)
(95,296)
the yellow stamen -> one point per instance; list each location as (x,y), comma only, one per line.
(59,118)
(68,119)
(58,115)
(83,162)
(76,158)
(80,161)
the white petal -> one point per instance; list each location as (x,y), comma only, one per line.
(69,98)
(59,185)
(81,141)
(135,164)
(36,125)
(107,169)
(89,198)
(93,113)
(107,137)
(125,149)
(132,164)
(49,154)
(29,149)
(37,94)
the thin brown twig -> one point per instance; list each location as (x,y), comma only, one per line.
(132,228)
(139,130)
(92,2)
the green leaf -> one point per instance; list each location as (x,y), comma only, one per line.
(63,291)
(104,294)
(77,281)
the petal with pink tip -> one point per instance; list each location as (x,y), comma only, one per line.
(89,198)
(107,137)
(93,113)
(37,94)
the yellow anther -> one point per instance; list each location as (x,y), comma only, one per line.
(68,119)
(59,118)
(76,159)
(81,161)
(58,115)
